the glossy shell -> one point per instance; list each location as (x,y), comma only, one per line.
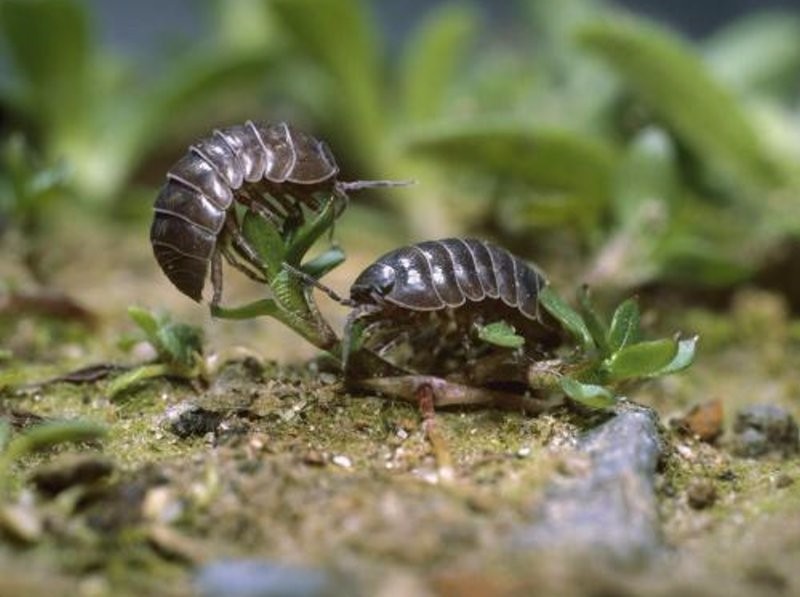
(446,273)
(239,163)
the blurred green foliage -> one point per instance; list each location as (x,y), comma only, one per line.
(645,155)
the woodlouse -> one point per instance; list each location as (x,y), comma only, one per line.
(272,169)
(430,295)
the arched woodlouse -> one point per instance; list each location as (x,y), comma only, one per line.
(273,169)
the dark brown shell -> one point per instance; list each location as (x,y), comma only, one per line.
(446,273)
(237,163)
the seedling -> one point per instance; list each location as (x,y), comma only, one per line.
(178,348)
(608,355)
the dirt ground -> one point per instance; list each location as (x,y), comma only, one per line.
(283,465)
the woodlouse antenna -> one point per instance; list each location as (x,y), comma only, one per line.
(311,281)
(357,185)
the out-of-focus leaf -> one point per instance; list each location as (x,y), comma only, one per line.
(431,58)
(594,321)
(146,321)
(687,348)
(673,81)
(589,395)
(340,37)
(759,52)
(566,316)
(49,44)
(644,359)
(50,434)
(545,159)
(501,334)
(624,326)
(647,172)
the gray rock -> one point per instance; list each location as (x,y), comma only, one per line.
(256,578)
(187,419)
(763,430)
(608,508)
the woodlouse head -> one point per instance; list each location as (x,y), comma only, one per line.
(375,282)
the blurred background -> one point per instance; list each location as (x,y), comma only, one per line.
(640,146)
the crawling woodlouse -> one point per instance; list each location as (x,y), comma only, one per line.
(272,169)
(431,295)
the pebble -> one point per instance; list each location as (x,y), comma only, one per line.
(342,460)
(70,470)
(763,430)
(186,419)
(21,522)
(255,578)
(701,494)
(704,421)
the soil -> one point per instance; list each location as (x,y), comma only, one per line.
(275,462)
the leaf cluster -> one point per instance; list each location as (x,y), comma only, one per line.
(612,353)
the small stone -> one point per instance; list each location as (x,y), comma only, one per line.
(783,480)
(524,452)
(248,578)
(314,458)
(701,494)
(187,420)
(161,505)
(763,430)
(71,470)
(21,522)
(704,421)
(172,544)
(342,460)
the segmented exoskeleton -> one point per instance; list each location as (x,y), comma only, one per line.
(272,169)
(432,295)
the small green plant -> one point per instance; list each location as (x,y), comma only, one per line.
(290,301)
(178,346)
(41,437)
(28,189)
(608,355)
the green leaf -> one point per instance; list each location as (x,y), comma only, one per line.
(567,317)
(757,53)
(590,395)
(341,38)
(50,47)
(624,326)
(668,76)
(146,321)
(321,265)
(547,159)
(50,434)
(267,242)
(180,343)
(594,321)
(259,308)
(310,233)
(644,359)
(647,172)
(687,349)
(431,58)
(501,334)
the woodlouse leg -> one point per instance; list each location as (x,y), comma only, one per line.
(216,278)
(311,281)
(441,453)
(261,206)
(241,245)
(231,259)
